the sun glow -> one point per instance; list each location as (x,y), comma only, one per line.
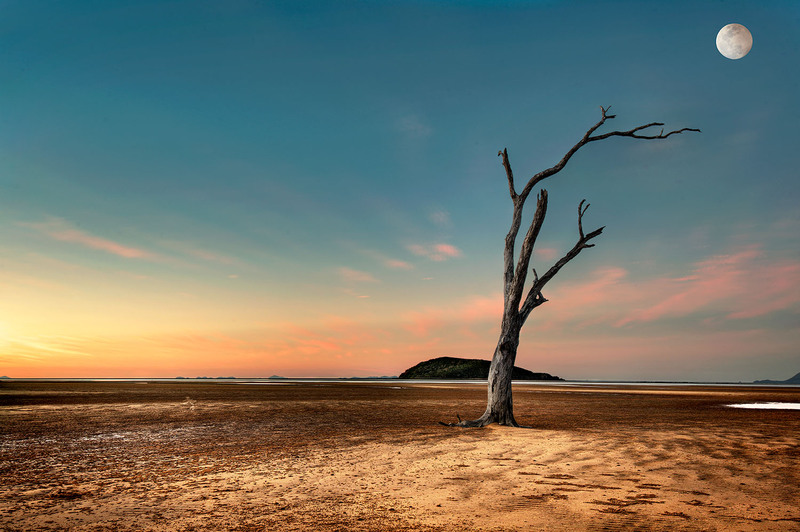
(5,335)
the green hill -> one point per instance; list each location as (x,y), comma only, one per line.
(466,368)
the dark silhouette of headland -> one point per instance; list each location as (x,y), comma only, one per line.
(466,368)
(792,380)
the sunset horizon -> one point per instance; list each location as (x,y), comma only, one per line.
(313,190)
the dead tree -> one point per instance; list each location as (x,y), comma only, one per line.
(516,309)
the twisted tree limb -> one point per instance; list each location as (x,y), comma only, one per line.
(587,138)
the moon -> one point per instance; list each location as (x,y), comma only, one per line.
(734,41)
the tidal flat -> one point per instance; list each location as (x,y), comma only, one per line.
(372,456)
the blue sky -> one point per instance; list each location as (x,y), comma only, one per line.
(311,188)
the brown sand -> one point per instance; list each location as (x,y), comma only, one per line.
(362,456)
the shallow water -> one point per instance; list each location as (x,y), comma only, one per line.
(769,406)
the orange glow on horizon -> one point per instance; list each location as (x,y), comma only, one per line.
(605,320)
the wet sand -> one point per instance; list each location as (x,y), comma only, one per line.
(365,456)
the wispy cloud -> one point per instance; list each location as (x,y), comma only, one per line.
(463,313)
(42,347)
(385,260)
(435,252)
(356,276)
(414,126)
(9,279)
(61,230)
(779,290)
(441,218)
(389,262)
(545,253)
(198,252)
(737,285)
(397,264)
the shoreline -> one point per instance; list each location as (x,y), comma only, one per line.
(383,380)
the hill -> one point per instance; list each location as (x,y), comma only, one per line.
(792,380)
(466,368)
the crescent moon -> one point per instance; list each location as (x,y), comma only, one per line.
(734,41)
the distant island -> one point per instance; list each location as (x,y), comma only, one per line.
(792,380)
(466,368)
(179,377)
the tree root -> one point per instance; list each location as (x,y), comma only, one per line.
(482,422)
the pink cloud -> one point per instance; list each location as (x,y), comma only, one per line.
(779,289)
(447,250)
(479,308)
(421,323)
(61,230)
(377,256)
(397,264)
(736,285)
(545,253)
(418,249)
(572,335)
(467,311)
(589,302)
(356,276)
(202,254)
(72,235)
(732,286)
(728,281)
(388,262)
(435,252)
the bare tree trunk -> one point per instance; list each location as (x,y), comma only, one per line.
(499,405)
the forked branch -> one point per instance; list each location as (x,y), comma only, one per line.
(525,252)
(514,278)
(581,211)
(535,297)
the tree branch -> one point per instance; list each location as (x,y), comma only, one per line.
(513,277)
(587,138)
(509,173)
(581,211)
(508,251)
(525,252)
(634,133)
(511,237)
(535,297)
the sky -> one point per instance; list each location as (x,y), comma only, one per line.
(312,189)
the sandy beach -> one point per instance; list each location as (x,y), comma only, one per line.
(372,456)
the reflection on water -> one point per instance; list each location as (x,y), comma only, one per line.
(771,406)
